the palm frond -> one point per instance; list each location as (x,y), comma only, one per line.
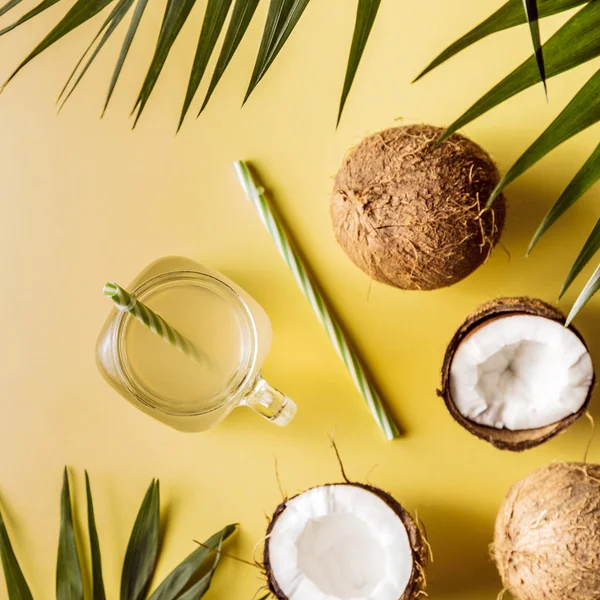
(199,589)
(16,584)
(142,550)
(282,18)
(214,19)
(586,177)
(133,27)
(588,251)
(532,14)
(579,35)
(9,6)
(106,30)
(82,11)
(69,581)
(97,579)
(590,289)
(575,43)
(365,17)
(508,16)
(579,114)
(182,575)
(243,11)
(34,12)
(140,558)
(176,14)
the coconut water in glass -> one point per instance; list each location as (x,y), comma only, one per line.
(229,328)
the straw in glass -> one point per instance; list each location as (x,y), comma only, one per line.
(303,279)
(126,302)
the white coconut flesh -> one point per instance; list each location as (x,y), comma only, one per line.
(340,542)
(520,372)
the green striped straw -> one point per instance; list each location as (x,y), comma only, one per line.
(303,279)
(126,302)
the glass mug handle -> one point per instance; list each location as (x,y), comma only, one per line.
(269,403)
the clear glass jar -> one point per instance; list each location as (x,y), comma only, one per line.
(226,323)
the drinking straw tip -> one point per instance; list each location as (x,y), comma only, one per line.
(238,167)
(110,289)
(243,175)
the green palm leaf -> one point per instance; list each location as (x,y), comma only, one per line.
(133,27)
(214,18)
(591,287)
(531,11)
(579,114)
(40,8)
(243,11)
(142,550)
(15,581)
(69,582)
(581,183)
(509,15)
(108,28)
(201,587)
(82,11)
(140,558)
(575,43)
(97,579)
(365,17)
(181,576)
(590,248)
(176,14)
(282,17)
(9,6)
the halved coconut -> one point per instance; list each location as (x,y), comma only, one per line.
(514,375)
(342,542)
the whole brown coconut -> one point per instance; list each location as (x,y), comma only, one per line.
(547,537)
(412,214)
(505,439)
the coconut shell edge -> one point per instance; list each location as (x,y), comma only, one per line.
(416,584)
(505,439)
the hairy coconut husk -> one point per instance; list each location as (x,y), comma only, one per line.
(505,439)
(547,536)
(417,583)
(412,214)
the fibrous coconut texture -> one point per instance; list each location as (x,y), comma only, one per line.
(411,213)
(514,376)
(547,536)
(344,541)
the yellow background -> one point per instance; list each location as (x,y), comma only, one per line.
(86,200)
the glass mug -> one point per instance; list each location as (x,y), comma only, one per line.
(228,327)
